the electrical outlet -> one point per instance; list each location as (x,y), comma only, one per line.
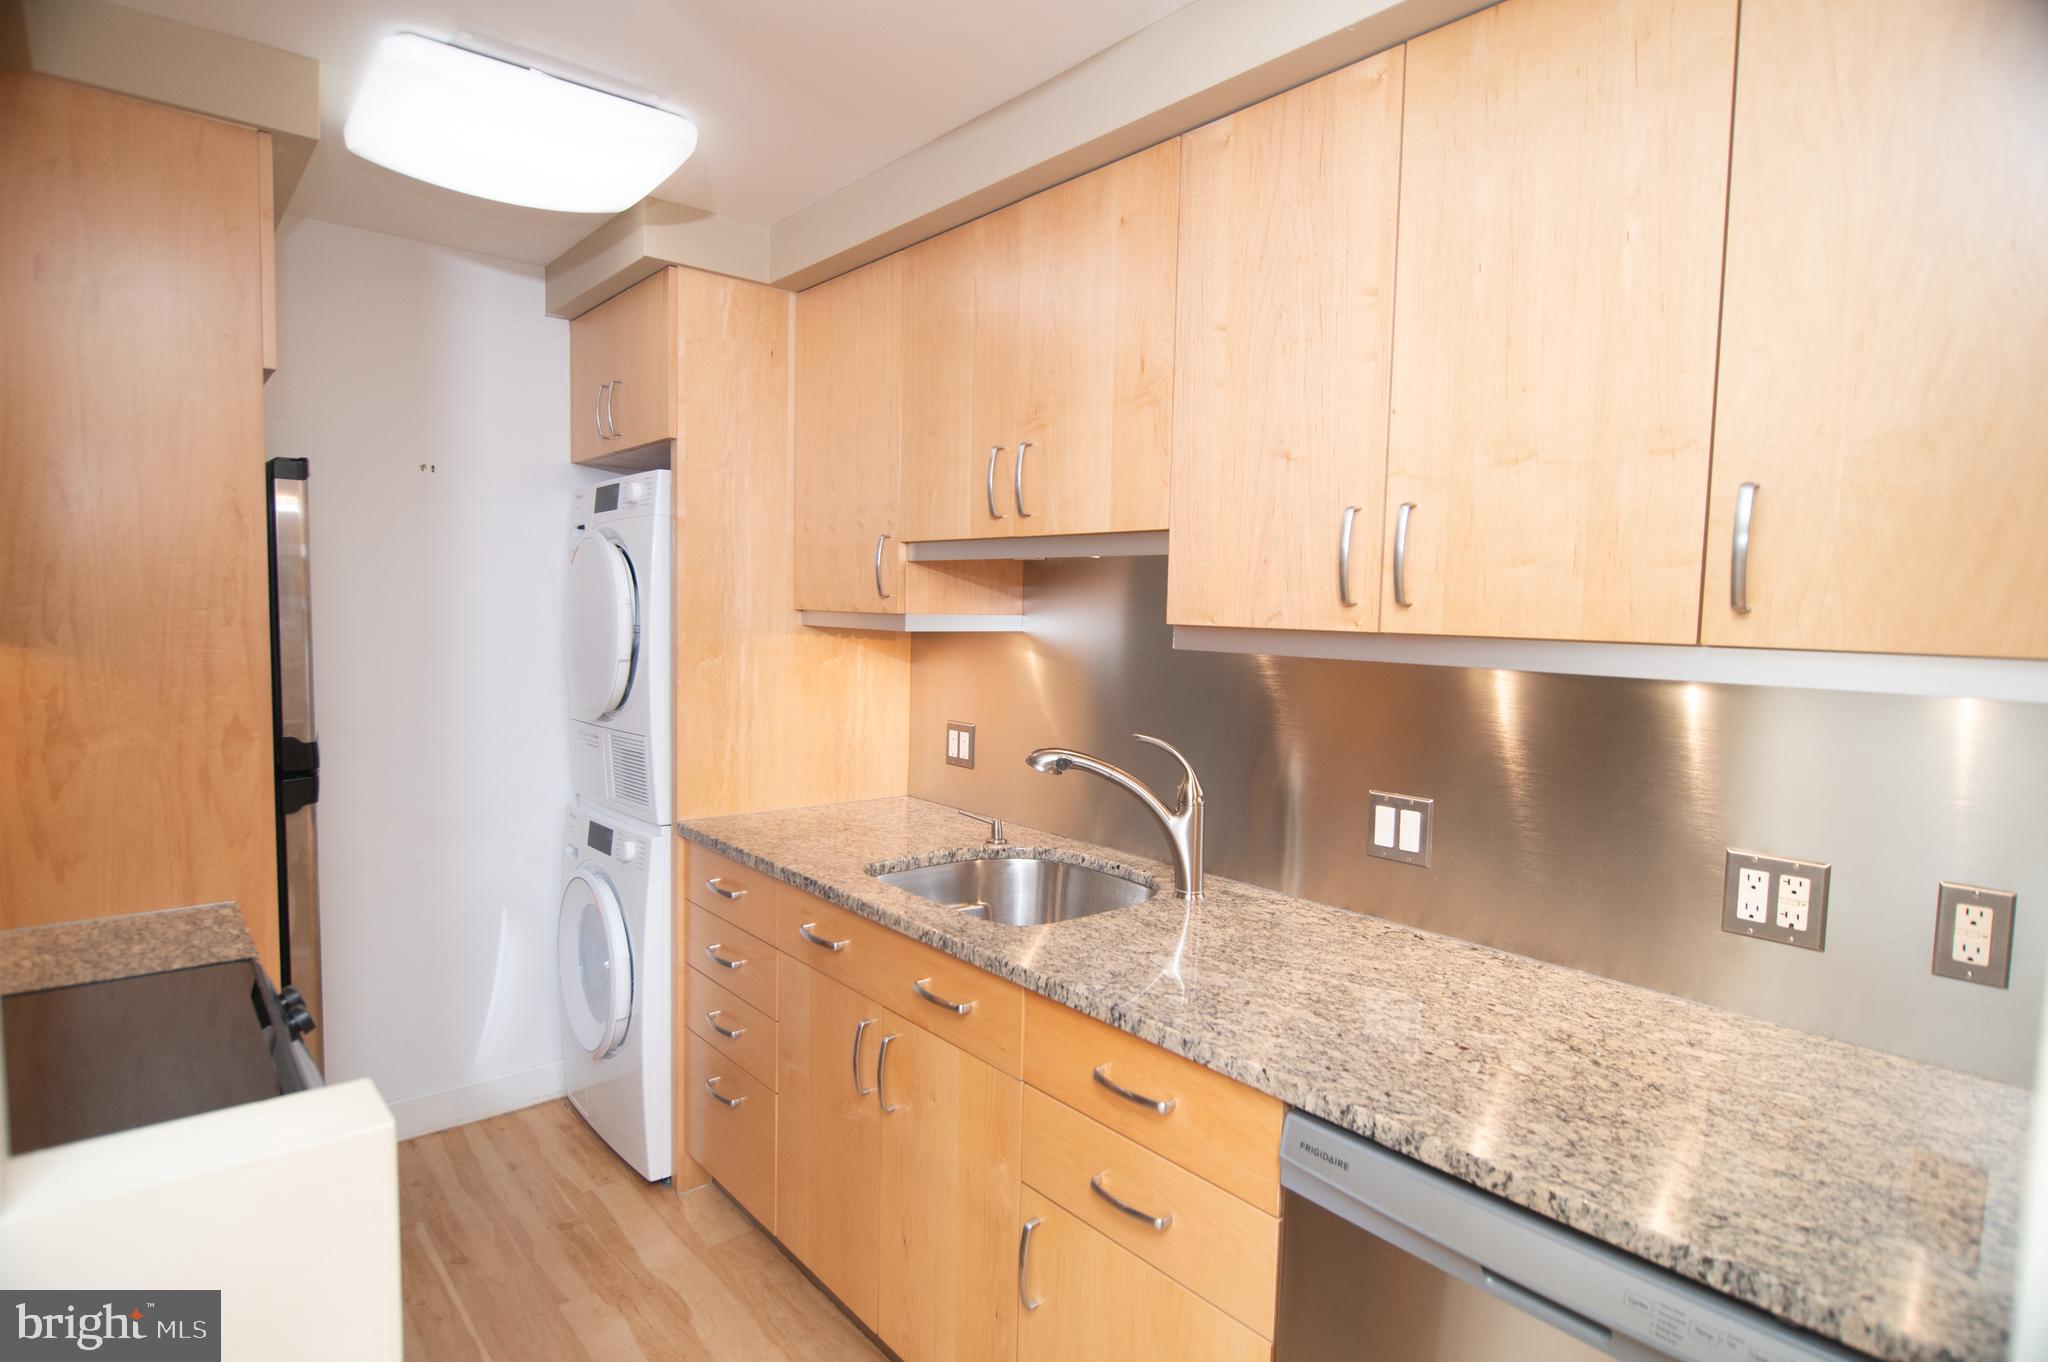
(1775,898)
(1973,934)
(959,744)
(1403,828)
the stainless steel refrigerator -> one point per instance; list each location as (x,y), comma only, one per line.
(293,740)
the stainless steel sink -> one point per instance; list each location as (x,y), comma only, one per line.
(1021,891)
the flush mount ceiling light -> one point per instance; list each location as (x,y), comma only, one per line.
(499,131)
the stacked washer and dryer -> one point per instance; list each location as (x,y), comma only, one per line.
(614,934)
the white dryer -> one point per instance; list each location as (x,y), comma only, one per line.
(617,966)
(621,666)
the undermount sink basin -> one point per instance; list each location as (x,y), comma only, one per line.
(1021,891)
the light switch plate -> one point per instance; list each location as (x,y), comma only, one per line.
(1399,804)
(1775,898)
(959,744)
(1983,956)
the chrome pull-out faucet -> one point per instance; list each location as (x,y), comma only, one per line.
(1182,823)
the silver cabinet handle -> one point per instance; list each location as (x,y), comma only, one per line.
(880,540)
(1024,1265)
(716,884)
(858,1032)
(882,1072)
(1161,1105)
(1344,555)
(1017,481)
(730,1033)
(1401,553)
(1157,1222)
(1738,561)
(719,960)
(993,513)
(611,419)
(804,931)
(597,409)
(711,1086)
(924,992)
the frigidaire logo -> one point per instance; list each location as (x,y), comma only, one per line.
(1325,1155)
(168,1326)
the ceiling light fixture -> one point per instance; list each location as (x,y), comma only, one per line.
(511,133)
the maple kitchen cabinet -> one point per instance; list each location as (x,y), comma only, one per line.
(622,368)
(1563,178)
(1286,304)
(1885,332)
(1038,361)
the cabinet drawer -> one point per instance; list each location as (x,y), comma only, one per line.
(1209,1124)
(737,961)
(953,1000)
(1223,1249)
(1096,1302)
(731,1026)
(736,1142)
(740,894)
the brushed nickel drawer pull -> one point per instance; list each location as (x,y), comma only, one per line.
(1401,553)
(1162,1106)
(719,960)
(858,1032)
(597,409)
(1738,559)
(1344,536)
(1024,1264)
(880,541)
(993,513)
(711,1019)
(1017,481)
(611,392)
(882,1072)
(711,1086)
(1157,1222)
(924,991)
(804,931)
(716,884)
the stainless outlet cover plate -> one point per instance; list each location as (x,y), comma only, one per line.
(1995,972)
(1814,938)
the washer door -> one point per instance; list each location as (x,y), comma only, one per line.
(604,627)
(596,963)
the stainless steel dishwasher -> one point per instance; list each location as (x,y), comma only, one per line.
(1385,1260)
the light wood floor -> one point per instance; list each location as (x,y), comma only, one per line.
(525,1237)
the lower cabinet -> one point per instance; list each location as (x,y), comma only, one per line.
(898,1164)
(730,1117)
(1086,1299)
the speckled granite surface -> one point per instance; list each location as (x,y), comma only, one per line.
(1870,1199)
(68,953)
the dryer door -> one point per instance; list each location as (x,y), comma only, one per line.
(604,627)
(596,963)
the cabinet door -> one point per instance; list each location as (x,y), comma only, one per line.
(629,343)
(1885,332)
(1094,349)
(827,1172)
(1286,304)
(959,300)
(849,426)
(1563,188)
(952,1132)
(1097,1302)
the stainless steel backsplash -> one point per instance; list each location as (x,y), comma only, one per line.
(1581,820)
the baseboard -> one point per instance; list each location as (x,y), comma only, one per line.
(432,1111)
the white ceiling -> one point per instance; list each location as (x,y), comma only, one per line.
(792,100)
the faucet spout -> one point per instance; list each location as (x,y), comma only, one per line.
(1182,823)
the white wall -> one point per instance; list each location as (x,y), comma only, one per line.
(430,392)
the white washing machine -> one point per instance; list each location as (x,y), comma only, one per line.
(621,666)
(617,965)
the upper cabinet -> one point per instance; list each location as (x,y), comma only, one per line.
(1038,361)
(1885,335)
(849,440)
(1286,305)
(622,373)
(1563,179)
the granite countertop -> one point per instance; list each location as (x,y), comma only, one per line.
(1870,1199)
(102,948)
